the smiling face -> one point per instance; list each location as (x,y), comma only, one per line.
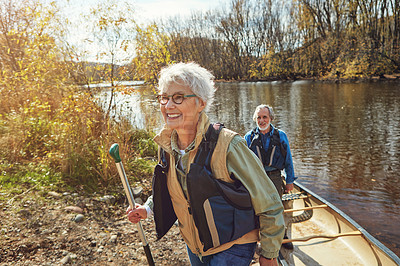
(181,117)
(263,120)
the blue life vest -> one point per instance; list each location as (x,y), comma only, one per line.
(275,155)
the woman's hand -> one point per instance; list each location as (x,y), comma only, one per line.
(136,214)
(265,262)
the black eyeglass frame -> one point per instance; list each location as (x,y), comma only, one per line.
(161,97)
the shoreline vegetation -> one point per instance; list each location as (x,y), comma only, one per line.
(381,78)
(53,131)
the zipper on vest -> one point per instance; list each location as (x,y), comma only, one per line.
(199,255)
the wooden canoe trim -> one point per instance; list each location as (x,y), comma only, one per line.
(306,208)
(304,239)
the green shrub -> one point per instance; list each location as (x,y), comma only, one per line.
(142,142)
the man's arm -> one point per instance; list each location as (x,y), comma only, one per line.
(247,137)
(289,169)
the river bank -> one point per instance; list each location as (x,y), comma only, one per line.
(69,229)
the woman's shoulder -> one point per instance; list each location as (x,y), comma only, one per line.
(229,137)
(229,134)
(237,141)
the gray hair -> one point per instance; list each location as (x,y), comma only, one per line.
(197,78)
(270,110)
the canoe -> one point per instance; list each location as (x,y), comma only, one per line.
(323,235)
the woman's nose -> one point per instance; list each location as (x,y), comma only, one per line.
(170,104)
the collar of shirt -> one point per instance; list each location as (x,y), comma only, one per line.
(180,161)
(174,144)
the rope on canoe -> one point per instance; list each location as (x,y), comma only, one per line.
(293,196)
(305,215)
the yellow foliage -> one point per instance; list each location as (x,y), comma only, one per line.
(152,53)
(44,119)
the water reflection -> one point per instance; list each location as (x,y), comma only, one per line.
(344,140)
(140,108)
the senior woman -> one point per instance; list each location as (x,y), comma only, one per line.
(186,92)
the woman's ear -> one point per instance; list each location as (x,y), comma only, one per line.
(202,105)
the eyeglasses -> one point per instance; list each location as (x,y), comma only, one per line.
(176,98)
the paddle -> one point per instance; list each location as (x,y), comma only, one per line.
(304,239)
(306,208)
(114,152)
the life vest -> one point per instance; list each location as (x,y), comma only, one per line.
(222,211)
(275,155)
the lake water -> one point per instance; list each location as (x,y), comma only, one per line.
(345,140)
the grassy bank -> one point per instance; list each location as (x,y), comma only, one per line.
(67,163)
(53,134)
(61,143)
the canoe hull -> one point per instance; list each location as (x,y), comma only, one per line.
(340,240)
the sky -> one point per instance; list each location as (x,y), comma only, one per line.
(145,11)
(159,8)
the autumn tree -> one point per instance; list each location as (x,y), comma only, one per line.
(263,39)
(34,80)
(47,123)
(346,38)
(153,53)
(28,61)
(112,33)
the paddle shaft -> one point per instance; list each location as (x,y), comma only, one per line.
(305,239)
(114,152)
(131,200)
(306,208)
